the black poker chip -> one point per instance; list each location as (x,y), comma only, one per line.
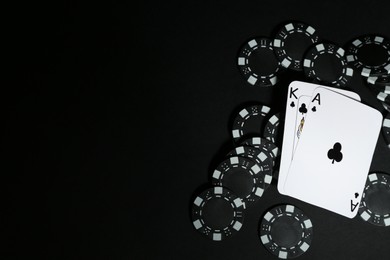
(273,130)
(217,213)
(258,63)
(375,205)
(325,63)
(259,156)
(386,128)
(370,54)
(248,121)
(243,176)
(292,41)
(286,231)
(263,144)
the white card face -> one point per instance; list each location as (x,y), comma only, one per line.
(296,89)
(334,153)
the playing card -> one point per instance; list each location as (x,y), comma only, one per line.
(296,89)
(334,153)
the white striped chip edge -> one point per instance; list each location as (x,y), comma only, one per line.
(379,39)
(264,239)
(267,179)
(218,190)
(237,226)
(320,47)
(216,174)
(308,223)
(274,119)
(217,237)
(365,216)
(372,177)
(256,169)
(310,30)
(241,61)
(289,27)
(259,192)
(387,221)
(307,63)
(386,123)
(357,42)
(198,201)
(290,208)
(238,202)
(366,72)
(236,133)
(283,255)
(252,80)
(265,109)
(234,160)
(243,113)
(240,150)
(252,43)
(197,224)
(277,43)
(340,51)
(268,216)
(304,247)
(262,156)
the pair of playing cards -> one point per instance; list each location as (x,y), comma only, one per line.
(328,144)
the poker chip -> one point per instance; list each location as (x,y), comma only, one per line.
(385,98)
(381,81)
(292,41)
(217,213)
(375,205)
(325,63)
(243,176)
(370,54)
(258,63)
(259,156)
(386,128)
(271,130)
(249,121)
(286,231)
(263,144)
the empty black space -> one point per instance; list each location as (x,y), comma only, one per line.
(116,110)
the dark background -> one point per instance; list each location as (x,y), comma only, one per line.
(118,113)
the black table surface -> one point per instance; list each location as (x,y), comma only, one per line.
(121,113)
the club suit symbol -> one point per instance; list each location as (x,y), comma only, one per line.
(292,104)
(303,109)
(314,109)
(335,154)
(356,195)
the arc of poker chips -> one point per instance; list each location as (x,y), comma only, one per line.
(286,231)
(361,51)
(198,212)
(287,36)
(229,166)
(375,205)
(260,157)
(239,126)
(255,76)
(313,71)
